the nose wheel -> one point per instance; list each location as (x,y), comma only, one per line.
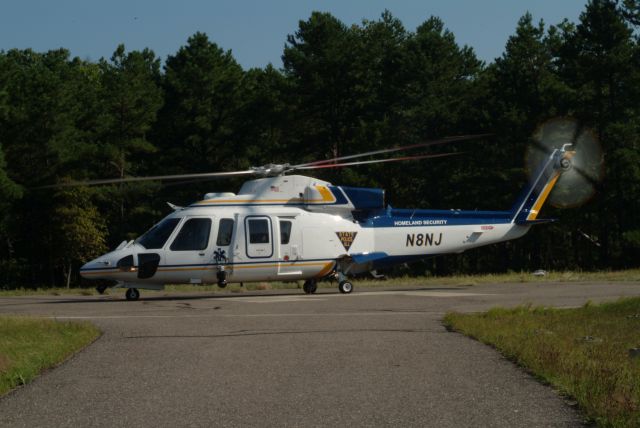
(132,294)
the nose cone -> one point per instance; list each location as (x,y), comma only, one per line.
(86,268)
(97,268)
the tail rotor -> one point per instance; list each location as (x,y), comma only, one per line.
(581,163)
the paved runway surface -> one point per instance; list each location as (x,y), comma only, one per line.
(374,358)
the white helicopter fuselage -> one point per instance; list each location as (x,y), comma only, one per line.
(289,228)
(298,245)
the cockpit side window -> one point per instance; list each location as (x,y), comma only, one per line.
(156,237)
(225,230)
(193,236)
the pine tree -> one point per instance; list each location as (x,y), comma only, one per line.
(130,97)
(78,230)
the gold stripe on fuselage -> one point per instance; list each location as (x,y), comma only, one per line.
(326,266)
(325,271)
(281,264)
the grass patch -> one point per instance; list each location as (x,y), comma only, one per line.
(632,275)
(31,345)
(582,352)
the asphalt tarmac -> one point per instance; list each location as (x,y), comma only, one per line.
(372,358)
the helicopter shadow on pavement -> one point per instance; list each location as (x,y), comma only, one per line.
(117,299)
(295,293)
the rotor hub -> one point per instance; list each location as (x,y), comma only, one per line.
(271,170)
(565,164)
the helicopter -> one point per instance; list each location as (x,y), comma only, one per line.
(289,227)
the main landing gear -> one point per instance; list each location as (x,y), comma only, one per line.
(310,286)
(344,285)
(132,294)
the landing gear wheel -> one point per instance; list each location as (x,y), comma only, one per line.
(310,286)
(132,294)
(222,278)
(101,289)
(345,287)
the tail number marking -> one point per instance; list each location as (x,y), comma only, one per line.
(423,239)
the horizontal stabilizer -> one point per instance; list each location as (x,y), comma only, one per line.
(537,221)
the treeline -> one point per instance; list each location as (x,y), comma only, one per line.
(342,90)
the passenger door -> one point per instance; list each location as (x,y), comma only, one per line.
(261,261)
(259,237)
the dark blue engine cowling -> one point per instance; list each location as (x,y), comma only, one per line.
(364,198)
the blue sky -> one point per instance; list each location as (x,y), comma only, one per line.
(254,30)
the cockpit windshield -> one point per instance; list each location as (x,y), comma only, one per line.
(157,236)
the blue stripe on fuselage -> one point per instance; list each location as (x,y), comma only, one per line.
(419,218)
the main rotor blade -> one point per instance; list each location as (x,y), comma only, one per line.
(270,170)
(391,150)
(204,175)
(367,162)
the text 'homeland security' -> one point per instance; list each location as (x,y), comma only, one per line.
(418,222)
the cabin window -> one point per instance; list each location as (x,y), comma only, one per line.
(157,236)
(193,236)
(225,231)
(258,231)
(285,231)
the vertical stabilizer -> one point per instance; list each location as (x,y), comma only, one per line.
(528,206)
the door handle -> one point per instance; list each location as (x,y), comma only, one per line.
(201,254)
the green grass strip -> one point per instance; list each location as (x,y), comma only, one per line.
(31,345)
(583,352)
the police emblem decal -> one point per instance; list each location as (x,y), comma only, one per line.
(346,238)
